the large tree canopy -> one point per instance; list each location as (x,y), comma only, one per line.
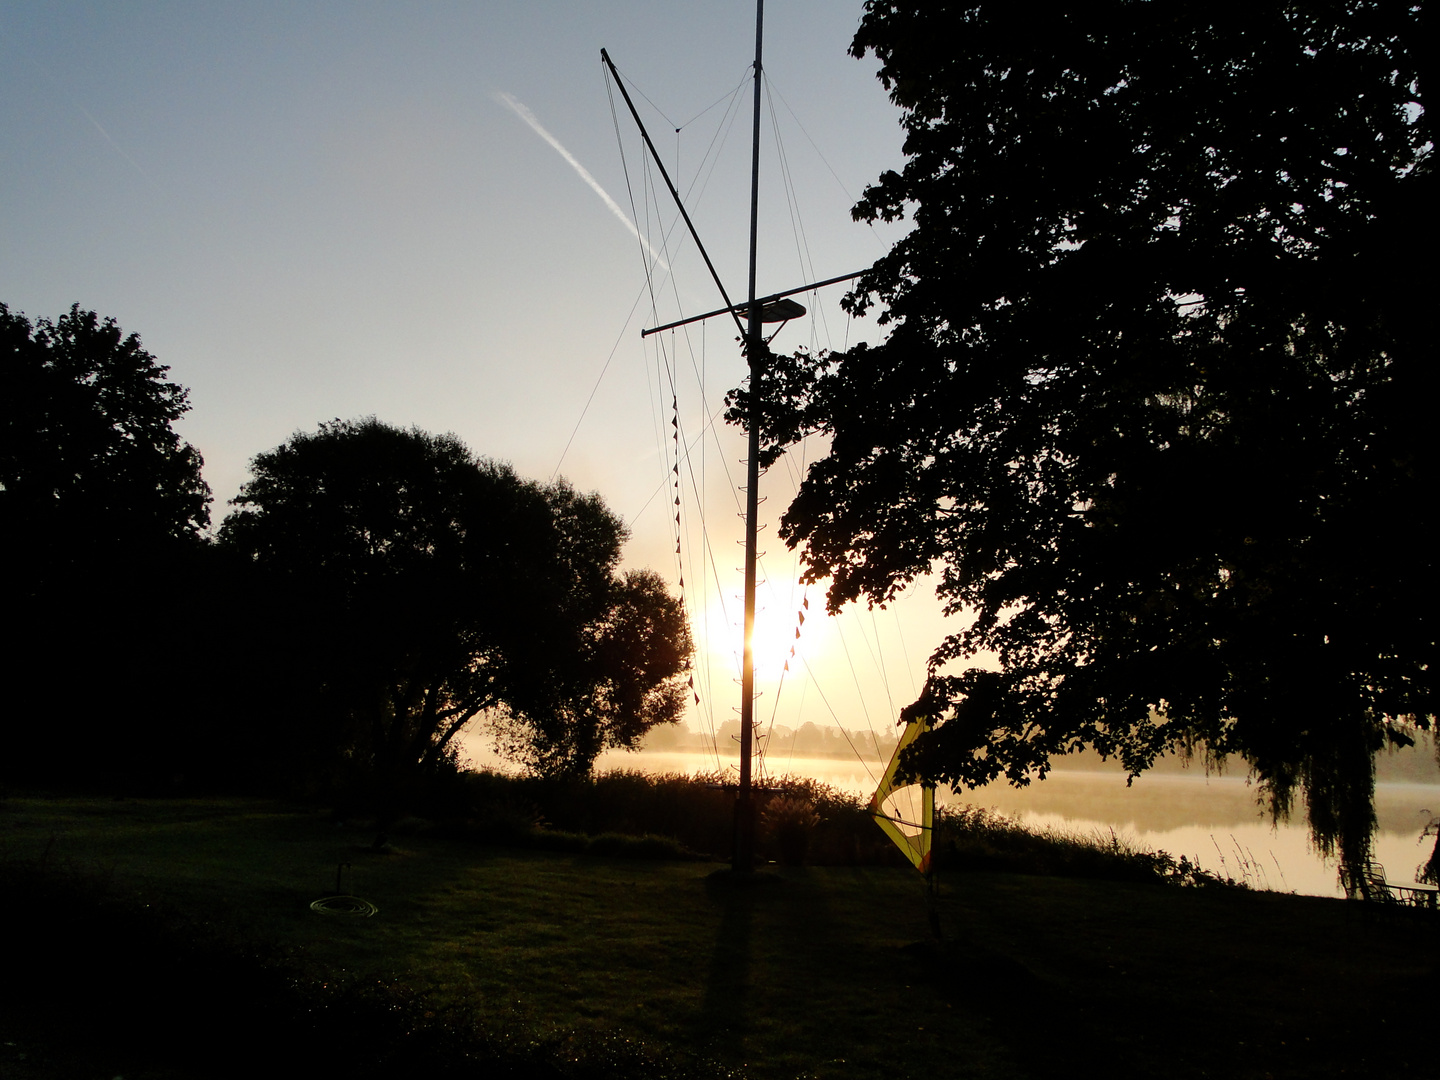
(1155,397)
(432,587)
(102,510)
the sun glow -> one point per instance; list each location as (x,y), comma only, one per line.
(780,633)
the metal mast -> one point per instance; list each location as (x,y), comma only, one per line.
(756,350)
(744,853)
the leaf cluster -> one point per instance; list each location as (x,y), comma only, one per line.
(103,513)
(87,451)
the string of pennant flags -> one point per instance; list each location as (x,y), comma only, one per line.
(799,622)
(679,563)
(800,613)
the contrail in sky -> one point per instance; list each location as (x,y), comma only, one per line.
(86,113)
(539,129)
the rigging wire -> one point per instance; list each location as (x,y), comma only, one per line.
(731,94)
(909,671)
(584,411)
(855,677)
(879,655)
(706,548)
(693,450)
(835,716)
(599,379)
(771,84)
(799,621)
(792,202)
(636,87)
(713,153)
(668,364)
(818,319)
(663,363)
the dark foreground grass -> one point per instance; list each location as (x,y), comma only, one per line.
(487,961)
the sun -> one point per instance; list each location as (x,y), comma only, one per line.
(777,618)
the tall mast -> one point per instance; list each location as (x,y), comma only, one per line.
(743,859)
(744,855)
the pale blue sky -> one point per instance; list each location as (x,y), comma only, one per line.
(318,210)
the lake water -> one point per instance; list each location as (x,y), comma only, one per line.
(1216,821)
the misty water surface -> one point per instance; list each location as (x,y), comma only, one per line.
(1216,821)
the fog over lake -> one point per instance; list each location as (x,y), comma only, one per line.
(1214,820)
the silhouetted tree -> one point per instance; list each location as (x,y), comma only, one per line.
(614,678)
(420,588)
(88,458)
(102,508)
(1155,399)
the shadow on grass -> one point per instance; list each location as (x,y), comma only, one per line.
(724,1009)
(122,987)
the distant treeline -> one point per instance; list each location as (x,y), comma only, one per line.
(808,740)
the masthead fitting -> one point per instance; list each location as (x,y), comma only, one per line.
(781,311)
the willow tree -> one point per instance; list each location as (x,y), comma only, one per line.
(1155,396)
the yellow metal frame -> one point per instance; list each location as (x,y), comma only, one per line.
(916,848)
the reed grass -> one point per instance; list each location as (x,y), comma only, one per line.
(801,820)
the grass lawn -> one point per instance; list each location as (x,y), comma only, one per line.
(824,972)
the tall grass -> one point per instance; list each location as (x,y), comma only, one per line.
(974,838)
(1243,867)
(630,813)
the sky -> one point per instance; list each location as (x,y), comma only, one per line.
(439,214)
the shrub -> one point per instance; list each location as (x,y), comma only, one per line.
(789,821)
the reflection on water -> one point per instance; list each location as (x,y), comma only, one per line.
(1215,821)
